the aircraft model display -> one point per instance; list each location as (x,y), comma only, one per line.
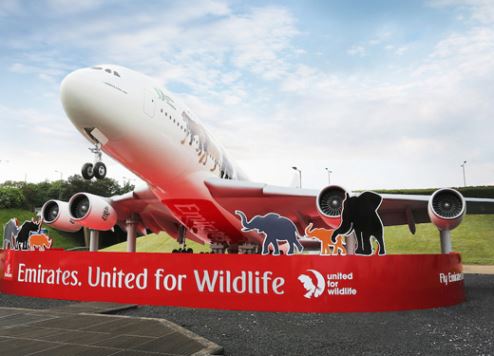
(193,187)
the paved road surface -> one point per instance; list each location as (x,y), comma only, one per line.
(466,329)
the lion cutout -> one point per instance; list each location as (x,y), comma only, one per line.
(328,248)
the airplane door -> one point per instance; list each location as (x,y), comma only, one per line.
(149,102)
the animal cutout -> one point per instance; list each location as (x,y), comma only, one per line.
(39,241)
(2,264)
(328,247)
(360,215)
(10,231)
(206,147)
(28,236)
(275,228)
(24,233)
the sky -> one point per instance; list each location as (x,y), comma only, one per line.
(385,94)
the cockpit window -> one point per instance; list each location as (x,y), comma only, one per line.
(98,68)
(116,73)
(108,70)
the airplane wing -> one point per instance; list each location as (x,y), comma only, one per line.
(300,204)
(153,215)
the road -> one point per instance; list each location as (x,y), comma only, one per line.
(466,329)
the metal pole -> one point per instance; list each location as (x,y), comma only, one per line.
(131,235)
(300,175)
(329,175)
(93,240)
(445,241)
(464,174)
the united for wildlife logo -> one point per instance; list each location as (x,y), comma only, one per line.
(313,283)
(336,284)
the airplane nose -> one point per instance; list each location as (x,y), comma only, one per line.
(85,100)
(77,97)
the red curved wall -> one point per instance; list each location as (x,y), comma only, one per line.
(240,282)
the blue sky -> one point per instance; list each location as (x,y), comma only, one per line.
(384,93)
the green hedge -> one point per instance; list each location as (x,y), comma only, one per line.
(483,191)
(10,198)
(22,195)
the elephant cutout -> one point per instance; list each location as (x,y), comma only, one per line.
(275,228)
(360,215)
(328,248)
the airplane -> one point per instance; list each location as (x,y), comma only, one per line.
(193,187)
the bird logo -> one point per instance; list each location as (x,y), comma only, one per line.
(313,290)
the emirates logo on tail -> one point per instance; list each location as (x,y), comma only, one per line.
(314,283)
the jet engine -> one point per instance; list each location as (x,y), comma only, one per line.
(446,209)
(56,214)
(330,204)
(92,211)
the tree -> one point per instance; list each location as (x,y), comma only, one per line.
(34,195)
(10,197)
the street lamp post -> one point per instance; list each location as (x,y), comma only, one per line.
(300,175)
(464,173)
(329,175)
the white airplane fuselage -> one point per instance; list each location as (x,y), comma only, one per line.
(149,131)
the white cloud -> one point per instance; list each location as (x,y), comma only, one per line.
(65,7)
(480,10)
(401,50)
(357,50)
(254,41)
(33,123)
(426,116)
(9,7)
(178,46)
(389,127)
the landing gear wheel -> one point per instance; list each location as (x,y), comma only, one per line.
(100,170)
(87,171)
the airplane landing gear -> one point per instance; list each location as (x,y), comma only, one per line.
(183,250)
(248,249)
(218,247)
(181,240)
(96,170)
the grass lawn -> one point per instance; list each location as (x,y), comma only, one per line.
(474,239)
(60,239)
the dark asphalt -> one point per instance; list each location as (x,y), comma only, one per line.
(466,329)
